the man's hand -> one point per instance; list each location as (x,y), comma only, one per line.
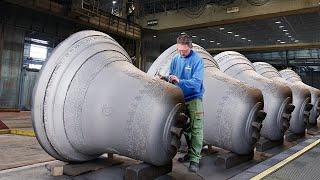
(158,76)
(173,79)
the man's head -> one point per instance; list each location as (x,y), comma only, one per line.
(184,45)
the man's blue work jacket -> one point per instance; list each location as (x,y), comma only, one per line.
(189,70)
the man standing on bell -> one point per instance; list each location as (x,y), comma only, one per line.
(186,71)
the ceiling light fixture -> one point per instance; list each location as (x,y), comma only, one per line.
(281,27)
(154,36)
(243,38)
(212,41)
(218,43)
(284,30)
(221,28)
(203,39)
(229,32)
(282,42)
(278,40)
(278,22)
(236,35)
(194,36)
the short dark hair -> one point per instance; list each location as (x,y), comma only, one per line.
(185,40)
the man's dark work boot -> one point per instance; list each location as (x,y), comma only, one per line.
(194,167)
(185,158)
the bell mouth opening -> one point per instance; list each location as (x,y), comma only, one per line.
(176,121)
(254,123)
(284,115)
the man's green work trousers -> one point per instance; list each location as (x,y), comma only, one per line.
(194,131)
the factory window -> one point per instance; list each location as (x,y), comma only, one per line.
(34,66)
(38,52)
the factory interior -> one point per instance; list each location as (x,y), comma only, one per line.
(89,89)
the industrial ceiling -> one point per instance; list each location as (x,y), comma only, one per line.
(291,29)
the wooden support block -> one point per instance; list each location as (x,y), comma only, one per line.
(56,171)
(210,150)
(313,130)
(94,165)
(264,144)
(290,136)
(229,160)
(146,171)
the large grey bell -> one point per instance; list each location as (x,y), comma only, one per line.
(232,110)
(277,97)
(301,97)
(293,77)
(89,100)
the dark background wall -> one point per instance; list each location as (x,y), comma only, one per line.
(18,26)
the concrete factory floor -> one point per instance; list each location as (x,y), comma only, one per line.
(21,157)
